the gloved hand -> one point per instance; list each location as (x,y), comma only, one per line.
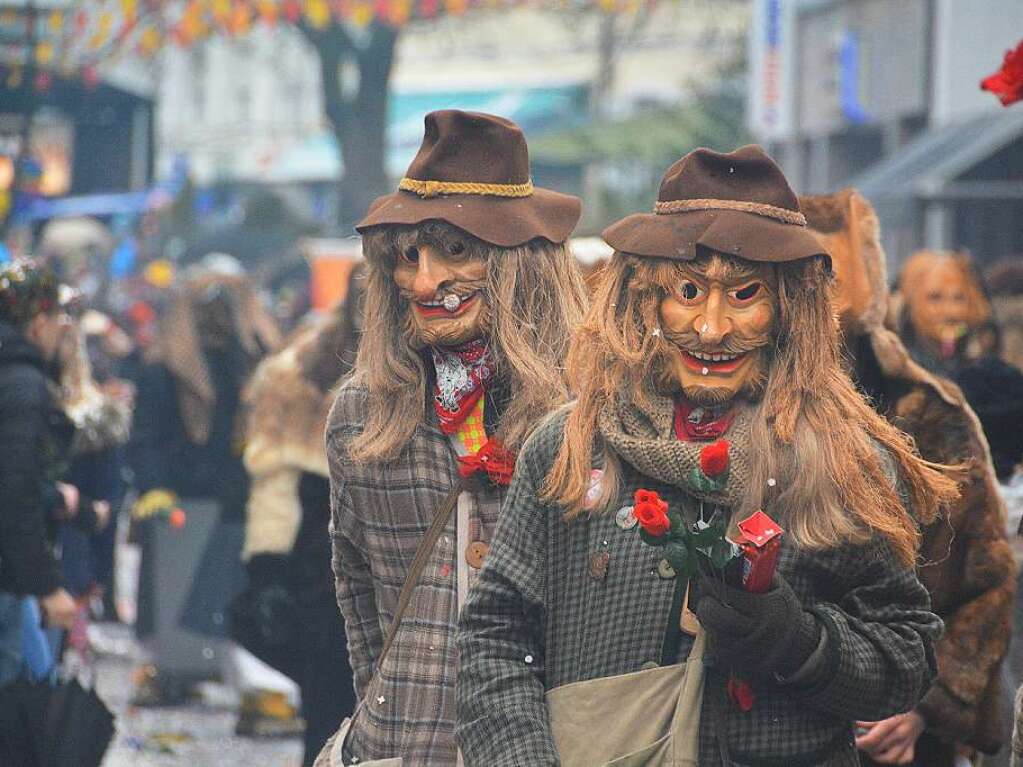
(758,635)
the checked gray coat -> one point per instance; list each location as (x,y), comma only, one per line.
(537,619)
(379,514)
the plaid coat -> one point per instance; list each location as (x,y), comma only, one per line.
(379,514)
(537,619)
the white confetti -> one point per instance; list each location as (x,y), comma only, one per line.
(772,482)
(381,700)
(705,371)
(529,659)
(656,332)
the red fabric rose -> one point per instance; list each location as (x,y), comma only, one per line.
(714,458)
(741,693)
(651,513)
(1007,82)
(493,459)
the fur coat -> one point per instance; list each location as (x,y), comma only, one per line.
(289,398)
(966,562)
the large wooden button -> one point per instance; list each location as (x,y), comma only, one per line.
(599,562)
(475,553)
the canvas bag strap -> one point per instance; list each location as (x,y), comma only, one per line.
(422,556)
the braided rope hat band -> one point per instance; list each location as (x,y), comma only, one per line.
(786,216)
(434,188)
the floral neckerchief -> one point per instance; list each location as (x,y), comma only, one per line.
(461,377)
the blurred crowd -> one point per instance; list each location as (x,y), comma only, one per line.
(175,397)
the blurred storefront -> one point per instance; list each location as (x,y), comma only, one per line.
(884,95)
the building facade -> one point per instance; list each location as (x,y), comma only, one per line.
(884,95)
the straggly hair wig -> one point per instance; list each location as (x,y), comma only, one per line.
(812,431)
(535,297)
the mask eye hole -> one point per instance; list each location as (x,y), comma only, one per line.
(747,293)
(689,291)
(410,255)
(456,248)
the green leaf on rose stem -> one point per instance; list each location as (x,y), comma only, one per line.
(721,553)
(706,537)
(652,540)
(678,557)
(678,524)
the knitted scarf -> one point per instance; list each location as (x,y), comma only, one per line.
(645,438)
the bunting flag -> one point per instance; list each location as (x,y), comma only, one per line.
(76,42)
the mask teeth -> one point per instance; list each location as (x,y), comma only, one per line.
(452,302)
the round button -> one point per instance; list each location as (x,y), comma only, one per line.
(475,553)
(599,562)
(625,518)
(665,570)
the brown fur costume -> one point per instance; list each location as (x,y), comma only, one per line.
(289,398)
(966,563)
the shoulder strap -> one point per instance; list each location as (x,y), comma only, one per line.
(422,556)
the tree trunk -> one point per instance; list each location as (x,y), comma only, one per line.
(359,114)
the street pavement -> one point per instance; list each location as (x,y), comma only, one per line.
(197,735)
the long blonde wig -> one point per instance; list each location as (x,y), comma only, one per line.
(812,431)
(536,298)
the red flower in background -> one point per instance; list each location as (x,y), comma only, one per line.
(651,513)
(714,458)
(1007,82)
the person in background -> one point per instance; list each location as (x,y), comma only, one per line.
(942,303)
(103,421)
(187,442)
(34,435)
(286,543)
(965,560)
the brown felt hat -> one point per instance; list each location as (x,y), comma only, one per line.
(737,203)
(472,171)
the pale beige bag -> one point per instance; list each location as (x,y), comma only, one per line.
(649,717)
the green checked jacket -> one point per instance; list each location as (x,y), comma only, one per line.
(379,514)
(537,618)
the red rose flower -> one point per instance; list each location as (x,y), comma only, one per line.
(741,693)
(1007,82)
(714,458)
(651,513)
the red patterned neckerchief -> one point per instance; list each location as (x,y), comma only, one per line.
(461,377)
(694,423)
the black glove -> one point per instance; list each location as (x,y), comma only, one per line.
(758,635)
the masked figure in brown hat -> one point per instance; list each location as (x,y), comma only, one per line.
(965,561)
(710,388)
(471,297)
